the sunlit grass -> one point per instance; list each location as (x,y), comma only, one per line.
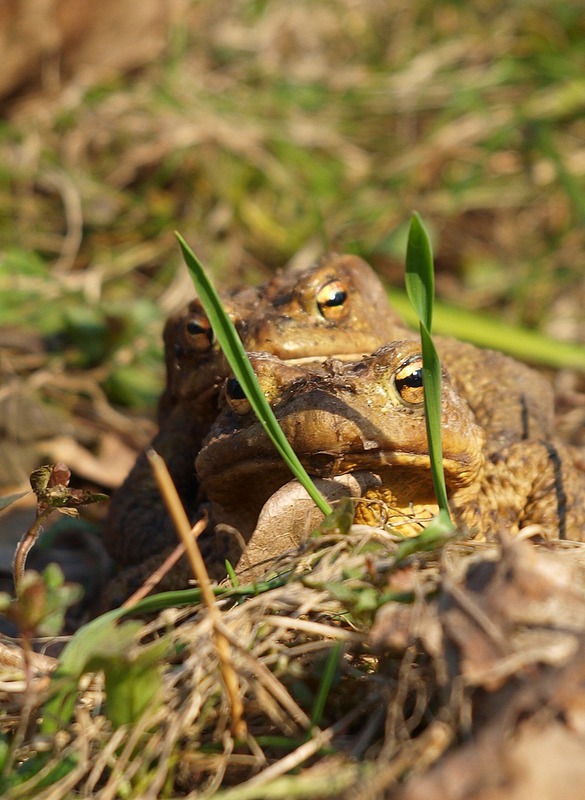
(469,114)
(489,331)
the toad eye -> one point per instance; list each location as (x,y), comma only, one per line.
(408,380)
(199,332)
(332,300)
(235,397)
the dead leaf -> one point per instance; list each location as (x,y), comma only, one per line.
(108,467)
(290,515)
(523,608)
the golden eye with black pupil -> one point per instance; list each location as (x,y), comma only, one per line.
(332,300)
(408,380)
(236,399)
(200,333)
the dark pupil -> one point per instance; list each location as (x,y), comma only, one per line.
(234,389)
(412,381)
(338,298)
(196,329)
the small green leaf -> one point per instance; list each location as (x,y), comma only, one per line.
(50,483)
(40,477)
(132,673)
(359,598)
(420,275)
(88,641)
(231,573)
(41,602)
(133,682)
(340,519)
(437,533)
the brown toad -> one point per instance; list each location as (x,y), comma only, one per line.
(336,308)
(503,464)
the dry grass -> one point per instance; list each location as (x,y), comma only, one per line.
(398,699)
(258,134)
(279,643)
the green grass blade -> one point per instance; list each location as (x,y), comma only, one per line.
(484,331)
(420,275)
(420,287)
(234,352)
(326,682)
(432,388)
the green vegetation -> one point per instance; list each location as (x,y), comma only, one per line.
(257,149)
(420,285)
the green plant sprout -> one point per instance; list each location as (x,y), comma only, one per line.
(420,287)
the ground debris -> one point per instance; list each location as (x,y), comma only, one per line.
(462,685)
(514,637)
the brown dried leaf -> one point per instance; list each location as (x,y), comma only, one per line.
(60,475)
(398,625)
(524,749)
(525,608)
(290,515)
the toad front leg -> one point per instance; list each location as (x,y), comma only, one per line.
(533,482)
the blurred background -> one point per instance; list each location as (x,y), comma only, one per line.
(264,132)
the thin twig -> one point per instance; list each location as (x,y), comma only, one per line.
(181,522)
(155,577)
(314,628)
(320,739)
(270,682)
(25,545)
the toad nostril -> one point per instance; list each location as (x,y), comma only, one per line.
(234,389)
(236,398)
